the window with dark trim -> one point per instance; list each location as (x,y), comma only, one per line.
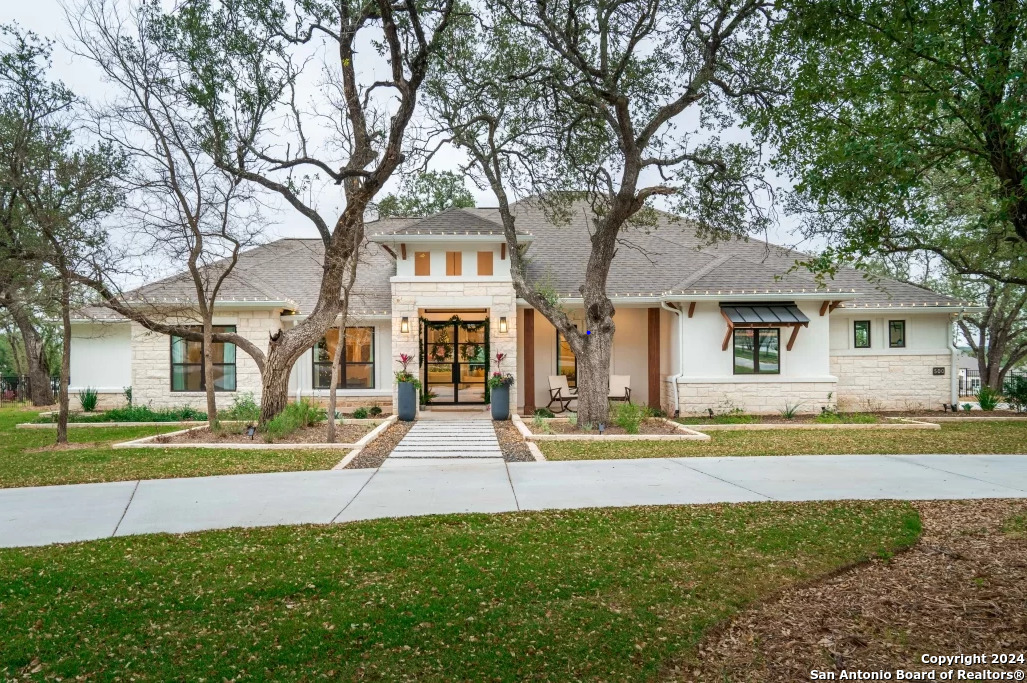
(861,334)
(897,334)
(757,351)
(357,369)
(187,363)
(566,363)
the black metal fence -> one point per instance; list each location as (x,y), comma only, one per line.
(970,380)
(17,388)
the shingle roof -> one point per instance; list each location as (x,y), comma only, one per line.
(664,259)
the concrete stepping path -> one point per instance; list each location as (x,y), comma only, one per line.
(426,485)
(449,439)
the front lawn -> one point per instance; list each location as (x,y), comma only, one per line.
(607,594)
(959,437)
(27,456)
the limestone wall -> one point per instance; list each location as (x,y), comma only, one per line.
(754,397)
(892,381)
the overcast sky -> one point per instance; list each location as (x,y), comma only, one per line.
(46,17)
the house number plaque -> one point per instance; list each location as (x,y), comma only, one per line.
(938,371)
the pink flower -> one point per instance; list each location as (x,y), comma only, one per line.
(404,360)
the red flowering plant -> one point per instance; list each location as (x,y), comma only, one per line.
(498,378)
(404,375)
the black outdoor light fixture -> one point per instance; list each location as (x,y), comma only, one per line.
(602,428)
(502,325)
(710,411)
(404,325)
(250,431)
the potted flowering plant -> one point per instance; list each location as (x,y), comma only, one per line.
(408,386)
(499,390)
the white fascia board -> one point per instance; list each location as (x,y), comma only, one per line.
(763,296)
(908,308)
(462,237)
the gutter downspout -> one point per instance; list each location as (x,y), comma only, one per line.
(954,380)
(681,355)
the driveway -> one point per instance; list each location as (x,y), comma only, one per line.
(406,487)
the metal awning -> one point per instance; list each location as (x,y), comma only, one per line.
(786,313)
(782,314)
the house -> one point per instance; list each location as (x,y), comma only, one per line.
(698,327)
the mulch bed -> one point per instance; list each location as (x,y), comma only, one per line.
(511,442)
(961,589)
(344,433)
(560,427)
(374,454)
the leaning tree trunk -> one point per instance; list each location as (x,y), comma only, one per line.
(594,360)
(274,383)
(208,374)
(333,389)
(40,392)
(62,393)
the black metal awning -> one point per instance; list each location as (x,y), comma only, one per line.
(786,313)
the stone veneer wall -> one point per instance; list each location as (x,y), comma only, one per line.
(752,397)
(892,382)
(151,362)
(409,297)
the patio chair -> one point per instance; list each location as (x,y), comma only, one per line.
(620,388)
(560,393)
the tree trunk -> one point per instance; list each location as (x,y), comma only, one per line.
(274,383)
(62,393)
(208,374)
(594,358)
(35,354)
(340,349)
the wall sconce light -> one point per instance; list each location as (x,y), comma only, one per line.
(502,325)
(404,325)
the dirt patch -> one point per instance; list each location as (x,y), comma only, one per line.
(374,454)
(63,447)
(511,442)
(961,589)
(649,426)
(344,433)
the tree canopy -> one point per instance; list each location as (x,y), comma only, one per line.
(425,194)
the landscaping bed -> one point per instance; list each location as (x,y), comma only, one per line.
(348,432)
(608,594)
(564,426)
(511,442)
(961,588)
(374,454)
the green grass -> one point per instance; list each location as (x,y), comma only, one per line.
(613,594)
(977,437)
(726,419)
(23,463)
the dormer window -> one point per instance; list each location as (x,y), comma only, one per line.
(422,263)
(454,263)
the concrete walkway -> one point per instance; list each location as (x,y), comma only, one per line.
(413,486)
(449,439)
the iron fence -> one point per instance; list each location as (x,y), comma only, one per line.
(17,388)
(970,380)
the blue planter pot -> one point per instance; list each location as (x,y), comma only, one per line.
(501,403)
(407,401)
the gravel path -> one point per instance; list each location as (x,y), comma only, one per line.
(512,443)
(374,453)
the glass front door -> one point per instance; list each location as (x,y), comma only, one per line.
(456,357)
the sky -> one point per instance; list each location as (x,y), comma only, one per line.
(47,18)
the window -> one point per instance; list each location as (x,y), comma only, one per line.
(187,363)
(357,369)
(897,334)
(422,263)
(757,351)
(484,263)
(861,330)
(454,263)
(566,363)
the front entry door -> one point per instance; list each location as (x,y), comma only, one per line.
(456,354)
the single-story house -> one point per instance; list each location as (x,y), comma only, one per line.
(698,326)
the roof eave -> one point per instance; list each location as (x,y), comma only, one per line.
(469,236)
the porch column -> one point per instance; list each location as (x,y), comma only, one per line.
(654,358)
(529,361)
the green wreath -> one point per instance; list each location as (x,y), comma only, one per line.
(439,352)
(471,352)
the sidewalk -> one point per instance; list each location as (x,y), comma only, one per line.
(406,487)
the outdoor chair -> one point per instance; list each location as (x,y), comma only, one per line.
(620,388)
(560,393)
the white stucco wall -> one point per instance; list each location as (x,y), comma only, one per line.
(101,356)
(469,261)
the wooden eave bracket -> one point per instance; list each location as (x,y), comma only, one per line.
(403,250)
(691,309)
(828,306)
(731,328)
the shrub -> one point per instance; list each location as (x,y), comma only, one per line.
(88,398)
(628,417)
(128,395)
(142,414)
(790,410)
(987,398)
(360,414)
(244,408)
(967,407)
(1016,392)
(302,413)
(374,411)
(653,412)
(544,412)
(540,425)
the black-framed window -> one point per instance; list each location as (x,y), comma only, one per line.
(861,334)
(357,369)
(187,363)
(897,334)
(757,351)
(566,363)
